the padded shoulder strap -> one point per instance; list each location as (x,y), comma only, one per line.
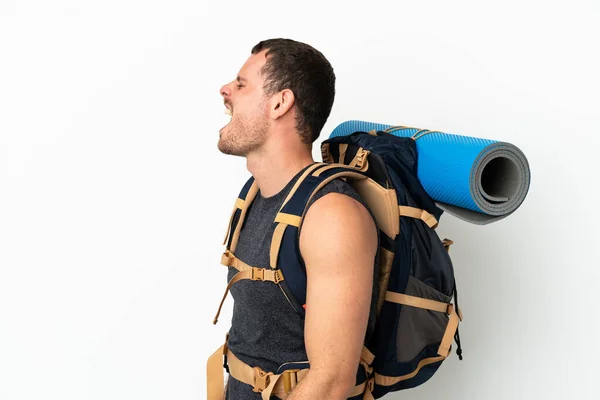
(295,204)
(242,203)
(285,248)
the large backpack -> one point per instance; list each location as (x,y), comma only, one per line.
(416,321)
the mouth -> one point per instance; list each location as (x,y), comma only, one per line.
(228,110)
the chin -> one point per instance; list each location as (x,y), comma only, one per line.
(225,147)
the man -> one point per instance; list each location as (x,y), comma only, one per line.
(278,104)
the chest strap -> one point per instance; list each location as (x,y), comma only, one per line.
(246,272)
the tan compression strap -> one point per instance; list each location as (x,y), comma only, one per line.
(447,243)
(215,380)
(418,214)
(343,147)
(288,219)
(255,274)
(229,260)
(367,355)
(392,380)
(432,305)
(444,348)
(284,220)
(420,131)
(268,383)
(308,171)
(401,298)
(368,390)
(249,198)
(397,128)
(423,132)
(358,389)
(366,359)
(351,174)
(328,167)
(276,244)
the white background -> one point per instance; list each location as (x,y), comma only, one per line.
(114,198)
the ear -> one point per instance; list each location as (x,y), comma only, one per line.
(282,103)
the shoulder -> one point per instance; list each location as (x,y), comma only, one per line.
(340,198)
(338,186)
(335,216)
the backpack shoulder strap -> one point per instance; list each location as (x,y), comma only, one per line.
(238,215)
(285,248)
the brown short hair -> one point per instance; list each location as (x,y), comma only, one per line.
(308,74)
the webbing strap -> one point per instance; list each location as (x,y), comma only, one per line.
(293,207)
(444,349)
(326,154)
(343,148)
(244,205)
(229,260)
(253,273)
(417,213)
(276,244)
(360,160)
(288,219)
(328,167)
(268,383)
(369,387)
(367,355)
(265,383)
(366,359)
(355,175)
(401,298)
(392,380)
(215,379)
(308,171)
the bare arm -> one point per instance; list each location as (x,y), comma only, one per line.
(338,242)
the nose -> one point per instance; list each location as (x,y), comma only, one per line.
(225,91)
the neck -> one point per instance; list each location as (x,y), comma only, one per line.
(276,163)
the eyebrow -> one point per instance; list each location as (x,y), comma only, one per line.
(240,79)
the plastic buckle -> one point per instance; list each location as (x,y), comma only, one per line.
(258,274)
(370,384)
(325,155)
(361,158)
(261,380)
(290,379)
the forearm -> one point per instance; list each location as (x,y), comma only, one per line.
(321,386)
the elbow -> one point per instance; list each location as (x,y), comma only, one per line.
(339,385)
(343,388)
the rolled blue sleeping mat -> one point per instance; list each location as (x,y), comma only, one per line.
(477,180)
